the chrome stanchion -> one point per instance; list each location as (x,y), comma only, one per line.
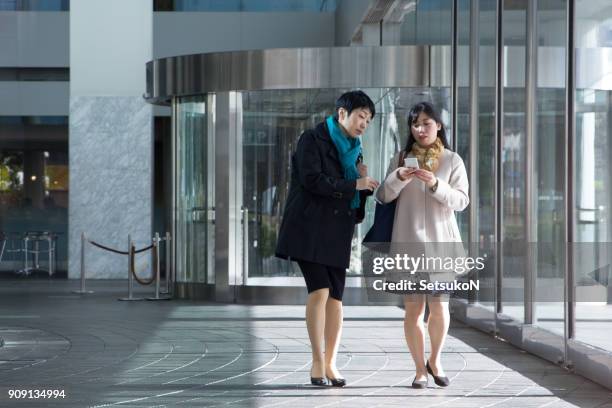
(157,272)
(82,290)
(36,252)
(168,262)
(48,237)
(156,265)
(26,269)
(51,254)
(171,265)
(131,254)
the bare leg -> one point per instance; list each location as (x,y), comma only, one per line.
(414,331)
(315,324)
(437,326)
(333,331)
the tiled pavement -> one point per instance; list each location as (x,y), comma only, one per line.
(103,352)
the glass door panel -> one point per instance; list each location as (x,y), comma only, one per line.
(513,160)
(550,170)
(272,122)
(593,175)
(192,201)
(593,178)
(486,163)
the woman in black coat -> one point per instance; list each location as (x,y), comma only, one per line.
(326,199)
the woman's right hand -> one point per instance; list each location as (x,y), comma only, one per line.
(367,183)
(405,173)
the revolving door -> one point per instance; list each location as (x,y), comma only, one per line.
(236,120)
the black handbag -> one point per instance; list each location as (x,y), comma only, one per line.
(384,215)
(382,229)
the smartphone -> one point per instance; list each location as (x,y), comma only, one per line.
(411,162)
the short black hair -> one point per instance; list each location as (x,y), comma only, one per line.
(354,100)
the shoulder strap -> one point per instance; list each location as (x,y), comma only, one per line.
(400,161)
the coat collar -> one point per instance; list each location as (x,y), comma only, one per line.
(322,133)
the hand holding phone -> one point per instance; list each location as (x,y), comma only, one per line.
(411,162)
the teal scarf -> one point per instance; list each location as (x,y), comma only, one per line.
(349,149)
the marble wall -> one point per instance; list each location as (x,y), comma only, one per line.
(111,193)
(111,134)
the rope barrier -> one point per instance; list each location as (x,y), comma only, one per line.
(94,243)
(132,275)
(143,282)
(136,251)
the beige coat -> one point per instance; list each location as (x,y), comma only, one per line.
(423,216)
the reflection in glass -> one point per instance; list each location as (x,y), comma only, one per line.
(245,5)
(463,103)
(513,161)
(33,184)
(593,199)
(427,23)
(34,5)
(192,191)
(549,171)
(593,178)
(272,123)
(486,162)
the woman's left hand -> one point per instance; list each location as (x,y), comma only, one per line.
(426,177)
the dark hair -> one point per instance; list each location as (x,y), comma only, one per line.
(354,100)
(428,109)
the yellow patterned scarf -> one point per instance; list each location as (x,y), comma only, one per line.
(428,156)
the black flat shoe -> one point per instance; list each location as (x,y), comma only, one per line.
(320,381)
(337,382)
(419,384)
(440,381)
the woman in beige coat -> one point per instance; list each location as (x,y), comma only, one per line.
(427,199)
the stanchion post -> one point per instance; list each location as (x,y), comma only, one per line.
(131,254)
(83,291)
(172,253)
(130,271)
(50,241)
(168,262)
(157,273)
(83,240)
(25,256)
(156,265)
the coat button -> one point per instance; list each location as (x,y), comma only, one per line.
(335,212)
(349,212)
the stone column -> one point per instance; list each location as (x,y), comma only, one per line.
(111,131)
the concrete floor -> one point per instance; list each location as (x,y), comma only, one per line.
(103,352)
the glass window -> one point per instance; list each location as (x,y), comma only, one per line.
(34,74)
(486,163)
(193,201)
(549,166)
(34,5)
(513,159)
(33,185)
(245,5)
(427,23)
(463,96)
(272,123)
(593,175)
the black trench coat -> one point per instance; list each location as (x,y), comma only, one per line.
(318,222)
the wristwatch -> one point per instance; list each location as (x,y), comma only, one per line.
(435,186)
